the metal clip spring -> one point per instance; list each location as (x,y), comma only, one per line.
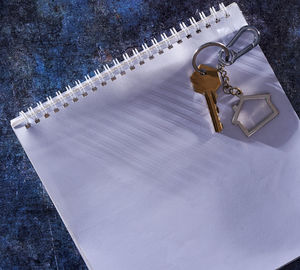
(235,55)
(228,56)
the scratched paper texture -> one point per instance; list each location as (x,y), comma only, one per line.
(46,45)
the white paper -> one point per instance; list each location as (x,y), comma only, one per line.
(142,182)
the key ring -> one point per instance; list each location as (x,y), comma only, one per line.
(209,44)
(206,81)
(230,55)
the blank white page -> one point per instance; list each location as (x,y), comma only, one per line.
(143,182)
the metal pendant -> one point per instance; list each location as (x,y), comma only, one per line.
(237,109)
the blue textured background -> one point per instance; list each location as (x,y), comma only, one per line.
(45,45)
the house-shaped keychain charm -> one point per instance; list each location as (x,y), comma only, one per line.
(237,109)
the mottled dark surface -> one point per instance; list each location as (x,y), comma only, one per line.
(46,45)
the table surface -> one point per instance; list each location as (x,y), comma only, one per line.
(46,45)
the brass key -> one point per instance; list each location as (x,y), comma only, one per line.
(208,85)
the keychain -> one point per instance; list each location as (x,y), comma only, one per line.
(206,81)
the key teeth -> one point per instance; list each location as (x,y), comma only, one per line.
(208,85)
(218,125)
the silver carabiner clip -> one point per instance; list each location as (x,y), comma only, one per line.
(235,55)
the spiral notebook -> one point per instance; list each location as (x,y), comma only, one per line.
(132,164)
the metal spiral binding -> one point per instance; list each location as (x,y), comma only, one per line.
(204,19)
(99,76)
(42,108)
(33,115)
(166,40)
(89,81)
(137,55)
(82,89)
(156,45)
(71,93)
(52,104)
(176,35)
(119,67)
(128,61)
(147,51)
(62,99)
(186,30)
